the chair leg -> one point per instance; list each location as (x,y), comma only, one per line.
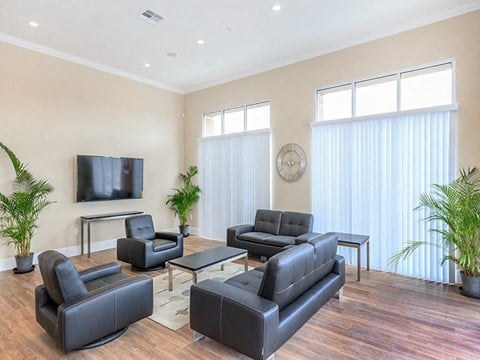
(339,294)
(197,336)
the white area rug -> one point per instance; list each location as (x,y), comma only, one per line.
(171,308)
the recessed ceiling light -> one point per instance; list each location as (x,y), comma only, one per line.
(33,24)
(276,7)
(147,65)
(171,54)
(200,42)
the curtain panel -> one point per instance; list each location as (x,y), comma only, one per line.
(235,179)
(367,178)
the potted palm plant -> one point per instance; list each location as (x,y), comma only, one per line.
(184,199)
(454,212)
(20,210)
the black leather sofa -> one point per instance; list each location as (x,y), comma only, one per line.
(258,311)
(272,232)
(89,308)
(147,249)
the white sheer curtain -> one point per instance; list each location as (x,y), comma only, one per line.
(235,179)
(367,176)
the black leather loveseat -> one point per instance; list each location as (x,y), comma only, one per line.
(258,311)
(272,231)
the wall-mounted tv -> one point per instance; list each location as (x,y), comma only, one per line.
(108,178)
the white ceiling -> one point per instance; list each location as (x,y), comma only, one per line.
(242,37)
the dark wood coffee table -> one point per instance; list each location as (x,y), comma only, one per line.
(198,262)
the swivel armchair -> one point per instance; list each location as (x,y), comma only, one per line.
(82,310)
(144,248)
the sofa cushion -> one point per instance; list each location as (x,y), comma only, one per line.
(60,277)
(256,237)
(279,240)
(267,221)
(140,227)
(104,281)
(288,275)
(249,281)
(296,223)
(325,248)
(160,244)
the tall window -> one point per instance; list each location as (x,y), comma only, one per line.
(234,167)
(234,120)
(369,169)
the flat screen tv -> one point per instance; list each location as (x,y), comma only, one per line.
(108,178)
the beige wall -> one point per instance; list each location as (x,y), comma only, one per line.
(291,91)
(51,110)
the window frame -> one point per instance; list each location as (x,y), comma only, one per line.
(397,74)
(222,119)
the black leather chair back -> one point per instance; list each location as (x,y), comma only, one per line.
(267,221)
(296,223)
(288,275)
(60,277)
(325,248)
(140,227)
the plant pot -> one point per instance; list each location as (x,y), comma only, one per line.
(184,230)
(24,264)
(470,285)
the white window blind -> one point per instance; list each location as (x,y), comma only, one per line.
(235,180)
(368,175)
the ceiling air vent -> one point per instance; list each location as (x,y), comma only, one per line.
(151,17)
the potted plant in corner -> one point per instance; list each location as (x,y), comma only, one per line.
(454,211)
(183,200)
(20,210)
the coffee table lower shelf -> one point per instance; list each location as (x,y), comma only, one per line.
(202,260)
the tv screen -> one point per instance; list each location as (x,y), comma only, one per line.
(108,178)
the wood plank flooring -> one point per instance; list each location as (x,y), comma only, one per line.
(385,316)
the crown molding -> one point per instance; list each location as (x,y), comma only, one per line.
(81,61)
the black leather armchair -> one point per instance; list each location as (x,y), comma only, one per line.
(89,308)
(146,249)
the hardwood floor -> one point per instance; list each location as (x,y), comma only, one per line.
(385,316)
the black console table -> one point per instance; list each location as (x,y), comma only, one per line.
(88,219)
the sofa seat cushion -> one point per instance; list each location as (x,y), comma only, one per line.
(249,281)
(279,240)
(256,237)
(104,281)
(160,245)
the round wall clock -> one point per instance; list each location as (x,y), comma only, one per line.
(291,162)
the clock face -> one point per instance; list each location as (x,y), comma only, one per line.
(291,162)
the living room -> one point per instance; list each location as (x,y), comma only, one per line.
(55,108)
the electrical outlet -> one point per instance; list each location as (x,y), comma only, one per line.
(75,231)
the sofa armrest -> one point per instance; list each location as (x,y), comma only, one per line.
(339,266)
(234,231)
(100,271)
(305,238)
(105,310)
(239,319)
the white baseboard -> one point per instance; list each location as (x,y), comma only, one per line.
(9,263)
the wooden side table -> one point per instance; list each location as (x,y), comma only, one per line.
(356,241)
